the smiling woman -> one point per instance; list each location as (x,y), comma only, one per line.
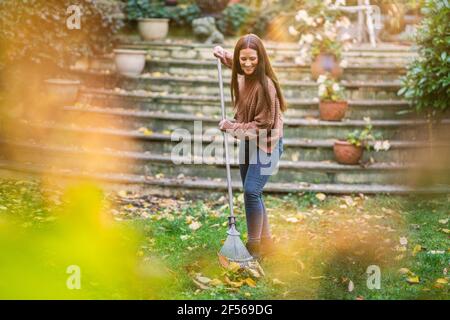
(258,104)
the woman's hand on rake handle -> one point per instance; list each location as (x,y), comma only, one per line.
(225,125)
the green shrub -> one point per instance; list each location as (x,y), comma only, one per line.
(427,83)
(234,17)
(147,9)
(36,31)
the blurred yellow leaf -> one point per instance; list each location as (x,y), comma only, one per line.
(417,249)
(446,231)
(195,225)
(224,262)
(216,282)
(442,281)
(405,271)
(278,282)
(250,282)
(234,266)
(321,196)
(413,280)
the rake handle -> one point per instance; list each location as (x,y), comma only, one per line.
(225,136)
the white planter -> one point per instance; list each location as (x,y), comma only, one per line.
(153,29)
(62,92)
(129,62)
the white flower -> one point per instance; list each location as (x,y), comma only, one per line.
(336,87)
(321,78)
(322,90)
(339,3)
(343,64)
(301,15)
(319,37)
(344,22)
(367,119)
(293,31)
(403,241)
(300,60)
(382,145)
(327,2)
(309,38)
(345,36)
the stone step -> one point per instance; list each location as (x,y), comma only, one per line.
(283,70)
(357,55)
(162,143)
(157,165)
(210,105)
(356,90)
(197,186)
(308,128)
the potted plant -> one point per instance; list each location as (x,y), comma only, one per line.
(332,103)
(152,16)
(321,40)
(212,8)
(62,92)
(350,151)
(129,62)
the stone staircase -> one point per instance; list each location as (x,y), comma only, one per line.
(121,129)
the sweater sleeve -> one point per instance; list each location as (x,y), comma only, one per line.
(263,119)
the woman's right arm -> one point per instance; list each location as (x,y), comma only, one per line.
(225,57)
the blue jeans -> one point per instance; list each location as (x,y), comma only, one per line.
(256,167)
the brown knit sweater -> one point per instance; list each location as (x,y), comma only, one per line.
(253,119)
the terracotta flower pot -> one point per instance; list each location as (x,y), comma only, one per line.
(326,63)
(332,110)
(347,153)
(129,62)
(62,92)
(153,29)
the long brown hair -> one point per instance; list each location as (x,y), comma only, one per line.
(263,69)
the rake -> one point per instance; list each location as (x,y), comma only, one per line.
(233,248)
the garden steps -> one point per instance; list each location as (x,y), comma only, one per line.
(283,70)
(311,128)
(159,143)
(210,104)
(356,90)
(184,186)
(358,54)
(91,160)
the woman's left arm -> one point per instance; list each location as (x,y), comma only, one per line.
(263,120)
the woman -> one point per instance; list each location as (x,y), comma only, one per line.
(258,105)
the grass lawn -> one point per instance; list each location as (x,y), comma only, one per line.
(325,244)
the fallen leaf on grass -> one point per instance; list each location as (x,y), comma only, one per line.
(351,286)
(403,241)
(233,266)
(234,284)
(405,271)
(446,230)
(277,282)
(321,196)
(195,225)
(417,249)
(413,280)
(443,221)
(203,280)
(442,281)
(215,282)
(250,282)
(224,262)
(200,285)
